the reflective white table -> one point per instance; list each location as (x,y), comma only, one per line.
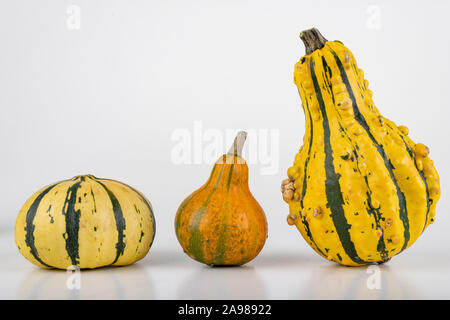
(170,274)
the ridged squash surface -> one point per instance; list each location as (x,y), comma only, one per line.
(85,222)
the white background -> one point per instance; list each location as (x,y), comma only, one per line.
(105,99)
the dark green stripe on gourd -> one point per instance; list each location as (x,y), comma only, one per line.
(375,213)
(223,234)
(304,184)
(422,176)
(31,213)
(305,175)
(72,221)
(360,118)
(149,207)
(120,222)
(332,188)
(196,240)
(310,236)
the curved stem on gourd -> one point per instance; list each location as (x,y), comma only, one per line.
(312,39)
(238,144)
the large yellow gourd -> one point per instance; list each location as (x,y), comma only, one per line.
(360,190)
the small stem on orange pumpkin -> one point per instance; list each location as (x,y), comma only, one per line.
(238,144)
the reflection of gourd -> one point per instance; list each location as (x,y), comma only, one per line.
(221,223)
(132,282)
(226,283)
(85,222)
(375,282)
(360,190)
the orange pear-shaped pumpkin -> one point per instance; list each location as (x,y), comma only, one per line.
(222,223)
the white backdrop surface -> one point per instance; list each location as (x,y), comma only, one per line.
(104,94)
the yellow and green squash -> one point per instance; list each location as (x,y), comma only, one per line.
(85,222)
(360,190)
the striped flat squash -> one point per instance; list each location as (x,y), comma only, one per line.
(221,223)
(85,222)
(360,190)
